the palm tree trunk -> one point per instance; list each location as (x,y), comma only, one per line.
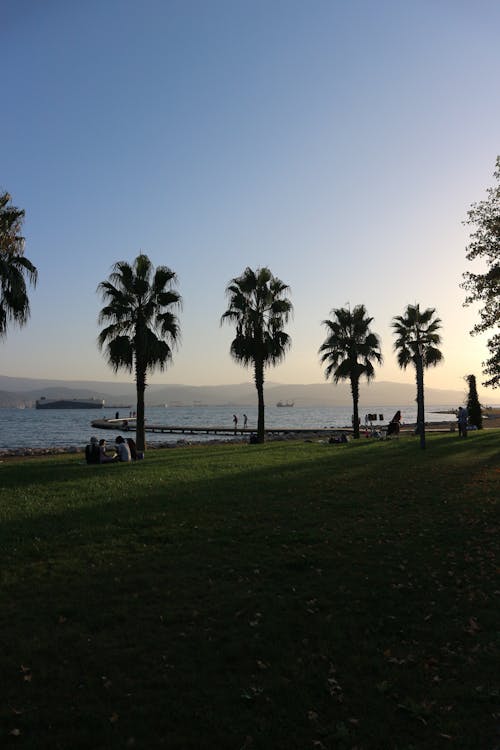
(355,402)
(419,365)
(259,384)
(140,432)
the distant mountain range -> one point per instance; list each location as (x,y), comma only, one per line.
(19,392)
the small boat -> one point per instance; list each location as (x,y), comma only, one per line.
(69,403)
(286,403)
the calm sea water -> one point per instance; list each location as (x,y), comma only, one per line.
(32,428)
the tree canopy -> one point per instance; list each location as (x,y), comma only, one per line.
(473,404)
(417,337)
(259,308)
(349,351)
(142,327)
(15,269)
(417,342)
(484,288)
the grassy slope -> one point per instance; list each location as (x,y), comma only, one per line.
(292,595)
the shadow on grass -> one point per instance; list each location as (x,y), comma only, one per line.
(258,597)
(65,494)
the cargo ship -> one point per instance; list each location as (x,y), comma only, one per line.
(69,403)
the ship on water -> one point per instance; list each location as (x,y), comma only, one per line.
(286,403)
(69,403)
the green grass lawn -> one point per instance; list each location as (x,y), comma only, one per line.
(291,595)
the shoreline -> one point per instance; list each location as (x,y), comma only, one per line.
(325,433)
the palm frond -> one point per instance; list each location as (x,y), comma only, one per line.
(259,309)
(417,336)
(16,271)
(120,353)
(350,346)
(138,310)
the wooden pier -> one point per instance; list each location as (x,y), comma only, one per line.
(128,425)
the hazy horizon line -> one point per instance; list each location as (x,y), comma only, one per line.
(215,385)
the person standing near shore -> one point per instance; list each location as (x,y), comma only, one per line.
(235,423)
(462,416)
(245,420)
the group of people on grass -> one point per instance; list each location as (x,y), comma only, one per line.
(462,417)
(96,452)
(393,427)
(125,451)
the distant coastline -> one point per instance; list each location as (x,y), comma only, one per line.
(23,393)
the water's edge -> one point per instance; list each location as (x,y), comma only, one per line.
(71,429)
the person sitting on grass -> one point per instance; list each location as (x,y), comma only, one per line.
(92,454)
(394,425)
(133,448)
(123,450)
(105,458)
(341,439)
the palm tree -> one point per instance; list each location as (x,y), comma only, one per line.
(259,308)
(349,351)
(15,269)
(416,343)
(141,326)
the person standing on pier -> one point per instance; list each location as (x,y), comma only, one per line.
(235,422)
(245,421)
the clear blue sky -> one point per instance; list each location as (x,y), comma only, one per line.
(339,143)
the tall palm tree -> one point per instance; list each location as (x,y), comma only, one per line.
(259,308)
(417,341)
(349,350)
(15,269)
(142,328)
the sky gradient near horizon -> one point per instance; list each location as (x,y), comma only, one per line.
(339,143)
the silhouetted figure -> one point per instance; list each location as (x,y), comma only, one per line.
(235,423)
(394,424)
(245,420)
(338,440)
(462,417)
(123,450)
(92,451)
(132,448)
(105,458)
